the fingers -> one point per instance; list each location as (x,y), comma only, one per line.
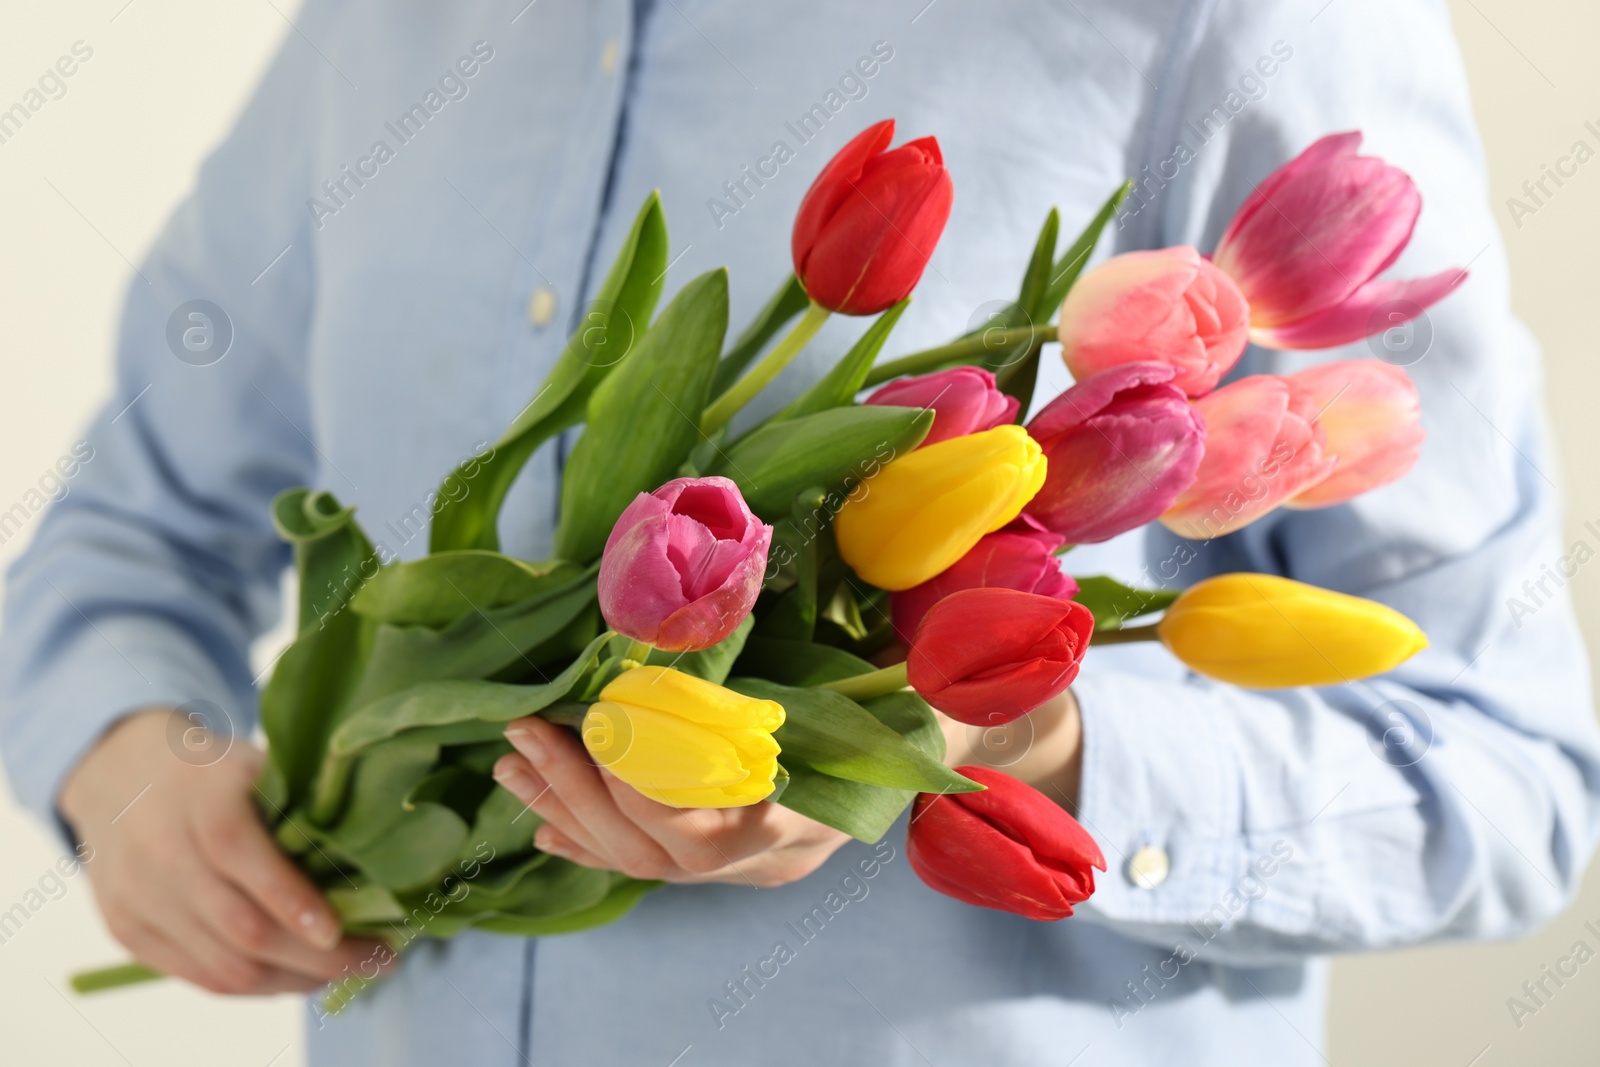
(233,841)
(528,785)
(558,757)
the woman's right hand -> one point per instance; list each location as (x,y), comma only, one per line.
(186,875)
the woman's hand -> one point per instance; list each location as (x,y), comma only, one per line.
(186,876)
(594,818)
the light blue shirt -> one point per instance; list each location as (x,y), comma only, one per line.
(398,232)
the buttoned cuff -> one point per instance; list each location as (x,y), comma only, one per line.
(1162,792)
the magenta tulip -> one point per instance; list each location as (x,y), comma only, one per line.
(1018,556)
(1264,445)
(1169,306)
(683,565)
(1121,445)
(1371,414)
(1309,243)
(963,400)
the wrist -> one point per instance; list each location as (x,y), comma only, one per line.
(1043,749)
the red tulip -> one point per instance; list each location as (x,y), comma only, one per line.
(1008,847)
(1264,445)
(988,656)
(1121,445)
(1309,243)
(870,221)
(1372,416)
(1019,556)
(963,400)
(683,565)
(1166,306)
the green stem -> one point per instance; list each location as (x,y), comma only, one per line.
(723,409)
(638,651)
(966,350)
(327,793)
(124,974)
(1127,635)
(873,684)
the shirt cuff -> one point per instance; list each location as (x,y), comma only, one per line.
(1160,774)
(104,672)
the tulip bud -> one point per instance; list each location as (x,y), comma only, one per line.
(1308,244)
(1166,306)
(683,565)
(922,512)
(684,741)
(1020,556)
(1372,416)
(1008,847)
(1121,444)
(987,656)
(963,400)
(1264,445)
(1266,632)
(870,221)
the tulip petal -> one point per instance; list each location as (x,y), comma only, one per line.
(831,187)
(1377,306)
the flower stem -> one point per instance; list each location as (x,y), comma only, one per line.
(124,974)
(872,684)
(1127,635)
(966,350)
(723,409)
(638,651)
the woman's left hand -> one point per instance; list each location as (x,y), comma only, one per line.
(594,818)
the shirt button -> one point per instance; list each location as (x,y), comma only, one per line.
(608,58)
(542,307)
(1148,868)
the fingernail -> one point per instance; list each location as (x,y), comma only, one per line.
(506,773)
(517,732)
(525,743)
(548,842)
(318,926)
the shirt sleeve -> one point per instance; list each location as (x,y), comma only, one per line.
(1455,797)
(149,575)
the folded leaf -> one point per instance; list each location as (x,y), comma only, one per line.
(618,901)
(643,420)
(1114,603)
(834,450)
(621,312)
(439,589)
(825,731)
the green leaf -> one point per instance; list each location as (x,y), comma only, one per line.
(798,663)
(1036,279)
(396,847)
(474,646)
(712,664)
(1072,262)
(833,450)
(504,823)
(470,509)
(786,303)
(365,904)
(865,812)
(840,385)
(439,589)
(792,559)
(1114,603)
(449,702)
(316,674)
(827,732)
(643,421)
(618,901)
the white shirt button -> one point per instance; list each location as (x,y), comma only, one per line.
(608,57)
(1148,867)
(542,307)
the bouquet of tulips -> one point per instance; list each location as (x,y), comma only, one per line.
(721,603)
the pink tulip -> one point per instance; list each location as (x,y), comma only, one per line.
(1309,243)
(1371,415)
(683,565)
(1264,445)
(1121,445)
(1168,306)
(1018,556)
(963,400)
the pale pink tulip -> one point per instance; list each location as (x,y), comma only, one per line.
(1264,445)
(1307,246)
(683,565)
(1167,306)
(1371,415)
(963,400)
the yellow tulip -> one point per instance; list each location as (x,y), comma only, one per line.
(925,510)
(684,741)
(1266,632)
